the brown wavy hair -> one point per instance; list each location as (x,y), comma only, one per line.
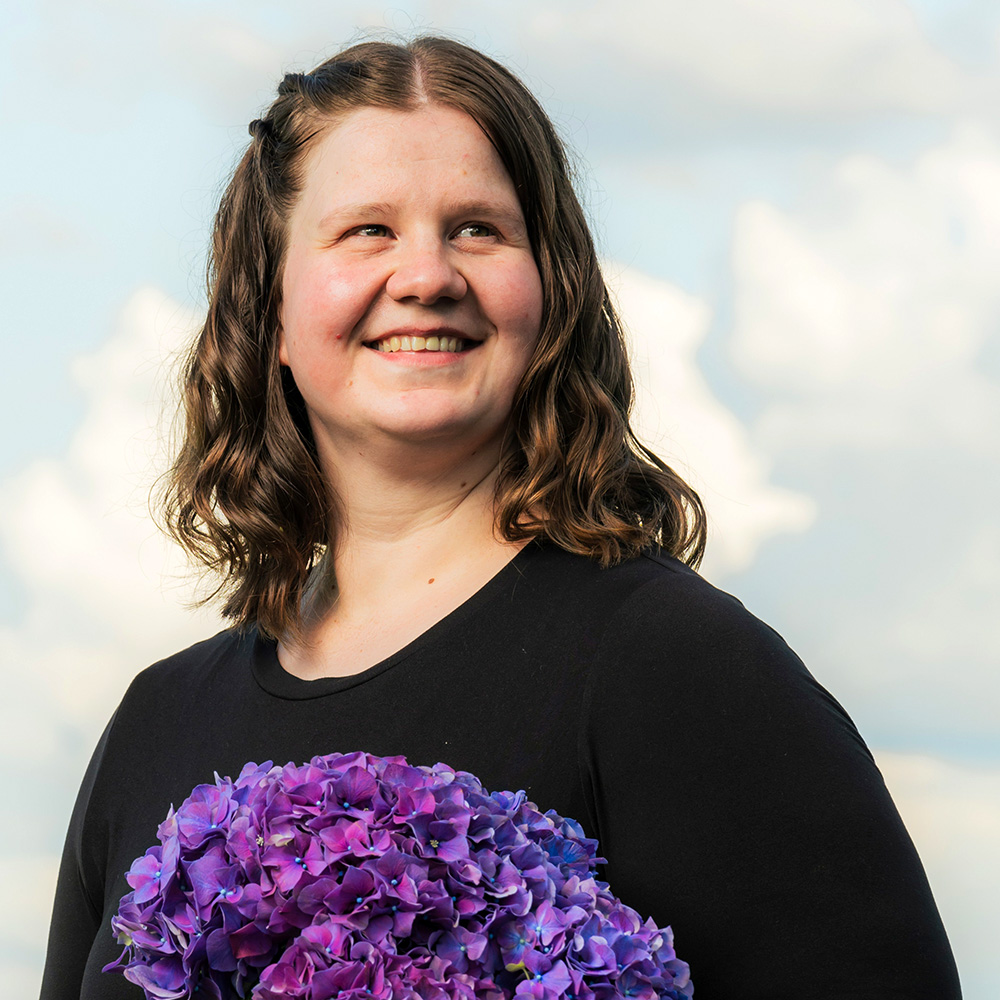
(245,495)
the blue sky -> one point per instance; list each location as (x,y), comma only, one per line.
(801,206)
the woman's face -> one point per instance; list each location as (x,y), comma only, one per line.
(407,236)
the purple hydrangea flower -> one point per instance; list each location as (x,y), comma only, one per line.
(360,876)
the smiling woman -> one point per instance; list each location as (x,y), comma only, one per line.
(407,233)
(408,456)
(407,191)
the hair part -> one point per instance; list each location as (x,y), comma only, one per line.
(245,496)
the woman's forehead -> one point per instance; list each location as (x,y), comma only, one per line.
(378,156)
(391,135)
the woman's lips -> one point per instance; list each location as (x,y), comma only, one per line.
(432,341)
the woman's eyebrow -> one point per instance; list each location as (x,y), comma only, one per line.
(471,210)
(344,213)
(499,210)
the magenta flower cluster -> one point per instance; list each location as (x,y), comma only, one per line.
(360,876)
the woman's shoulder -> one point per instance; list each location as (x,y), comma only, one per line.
(221,647)
(166,702)
(660,588)
(191,673)
(669,603)
(655,598)
(678,648)
(659,626)
(669,632)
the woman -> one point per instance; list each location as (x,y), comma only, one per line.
(408,455)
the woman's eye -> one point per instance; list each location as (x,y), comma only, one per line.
(372,230)
(476,229)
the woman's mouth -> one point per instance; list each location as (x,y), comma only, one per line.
(390,345)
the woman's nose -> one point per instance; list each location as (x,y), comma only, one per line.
(426,272)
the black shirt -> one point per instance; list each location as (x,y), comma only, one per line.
(731,794)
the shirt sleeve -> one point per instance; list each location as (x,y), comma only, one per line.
(78,905)
(737,803)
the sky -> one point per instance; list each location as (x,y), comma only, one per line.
(799,210)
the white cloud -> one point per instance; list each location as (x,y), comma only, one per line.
(959,618)
(952,812)
(863,318)
(678,416)
(770,57)
(29,878)
(841,57)
(864,313)
(100,587)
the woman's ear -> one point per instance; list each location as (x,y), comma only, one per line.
(282,350)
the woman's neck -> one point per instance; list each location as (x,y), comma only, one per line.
(413,542)
(396,532)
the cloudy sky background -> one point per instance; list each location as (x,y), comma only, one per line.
(800,207)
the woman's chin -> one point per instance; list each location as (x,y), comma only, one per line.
(456,431)
(459,430)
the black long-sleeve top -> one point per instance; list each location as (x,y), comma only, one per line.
(731,794)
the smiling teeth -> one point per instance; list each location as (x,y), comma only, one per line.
(392,344)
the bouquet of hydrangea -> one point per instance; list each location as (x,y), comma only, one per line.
(360,876)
